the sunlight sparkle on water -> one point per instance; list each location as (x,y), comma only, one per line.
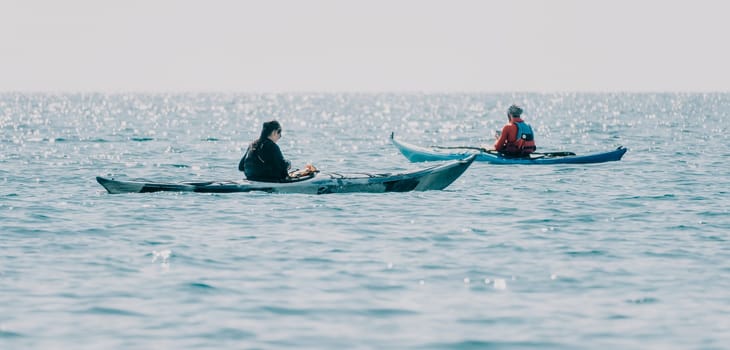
(163,255)
(500,284)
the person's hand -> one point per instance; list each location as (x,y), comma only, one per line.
(310,168)
(497,134)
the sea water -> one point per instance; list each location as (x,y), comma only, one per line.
(628,254)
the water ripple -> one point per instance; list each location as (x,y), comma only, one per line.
(628,254)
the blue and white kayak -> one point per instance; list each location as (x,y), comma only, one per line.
(436,177)
(435,153)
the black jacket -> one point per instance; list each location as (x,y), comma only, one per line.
(263,161)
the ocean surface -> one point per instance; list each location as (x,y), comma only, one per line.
(632,254)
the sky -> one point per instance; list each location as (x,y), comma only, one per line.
(364,46)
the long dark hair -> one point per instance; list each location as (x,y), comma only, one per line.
(266,130)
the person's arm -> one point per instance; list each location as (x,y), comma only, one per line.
(503,137)
(278,163)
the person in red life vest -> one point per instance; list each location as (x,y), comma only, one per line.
(516,138)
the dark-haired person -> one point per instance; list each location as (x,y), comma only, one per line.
(516,138)
(263,160)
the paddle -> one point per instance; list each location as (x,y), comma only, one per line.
(555,154)
(463,147)
(491,151)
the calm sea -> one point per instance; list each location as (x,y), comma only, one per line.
(632,254)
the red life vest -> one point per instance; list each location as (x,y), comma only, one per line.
(524,143)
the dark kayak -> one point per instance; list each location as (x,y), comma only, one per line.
(423,154)
(436,177)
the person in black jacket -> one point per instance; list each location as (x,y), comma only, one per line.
(263,160)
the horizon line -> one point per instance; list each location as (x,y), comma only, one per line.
(352,92)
